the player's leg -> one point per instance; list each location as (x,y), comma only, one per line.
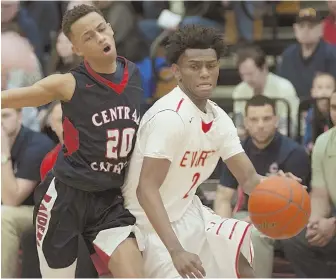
(112,235)
(263,250)
(244,267)
(126,261)
(230,243)
(57,226)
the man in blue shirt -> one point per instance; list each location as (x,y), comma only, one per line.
(310,55)
(22,151)
(269,151)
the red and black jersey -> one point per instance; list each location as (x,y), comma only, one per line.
(100,124)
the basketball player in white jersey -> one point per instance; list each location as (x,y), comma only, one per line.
(179,142)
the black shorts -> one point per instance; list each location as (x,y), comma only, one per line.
(64,216)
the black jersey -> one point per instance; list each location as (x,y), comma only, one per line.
(100,124)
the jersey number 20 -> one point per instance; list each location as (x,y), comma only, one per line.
(119,142)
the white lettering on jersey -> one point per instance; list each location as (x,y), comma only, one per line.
(116,113)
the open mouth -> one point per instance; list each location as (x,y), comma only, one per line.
(107,49)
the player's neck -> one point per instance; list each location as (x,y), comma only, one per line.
(103,68)
(200,103)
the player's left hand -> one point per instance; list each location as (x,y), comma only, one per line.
(320,232)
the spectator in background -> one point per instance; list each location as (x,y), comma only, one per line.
(269,152)
(310,55)
(329,24)
(257,80)
(206,13)
(312,253)
(46,15)
(20,67)
(317,119)
(22,151)
(13,14)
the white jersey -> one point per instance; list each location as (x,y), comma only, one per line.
(193,141)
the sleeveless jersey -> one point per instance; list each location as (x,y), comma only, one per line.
(193,141)
(100,124)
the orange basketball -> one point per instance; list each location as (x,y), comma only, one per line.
(279,207)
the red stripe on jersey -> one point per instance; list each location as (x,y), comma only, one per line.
(206,126)
(233,229)
(239,248)
(118,88)
(71,137)
(49,161)
(220,226)
(179,105)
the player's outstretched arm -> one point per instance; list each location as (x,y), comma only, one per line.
(54,87)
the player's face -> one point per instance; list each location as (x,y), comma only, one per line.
(261,123)
(323,87)
(92,38)
(10,121)
(333,108)
(251,74)
(197,72)
(307,33)
(55,121)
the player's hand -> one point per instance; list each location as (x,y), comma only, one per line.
(320,232)
(289,175)
(292,176)
(188,265)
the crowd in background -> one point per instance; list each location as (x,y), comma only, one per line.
(33,46)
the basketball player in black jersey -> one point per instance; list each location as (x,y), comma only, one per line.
(81,196)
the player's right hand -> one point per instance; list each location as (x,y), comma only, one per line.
(188,265)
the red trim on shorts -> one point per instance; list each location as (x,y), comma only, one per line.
(233,228)
(102,255)
(239,247)
(100,265)
(179,105)
(220,226)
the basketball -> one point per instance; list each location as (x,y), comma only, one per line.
(279,207)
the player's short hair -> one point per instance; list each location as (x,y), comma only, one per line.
(259,101)
(193,37)
(253,52)
(74,14)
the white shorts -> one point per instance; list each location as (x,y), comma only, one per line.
(215,240)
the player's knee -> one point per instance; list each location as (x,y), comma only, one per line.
(126,261)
